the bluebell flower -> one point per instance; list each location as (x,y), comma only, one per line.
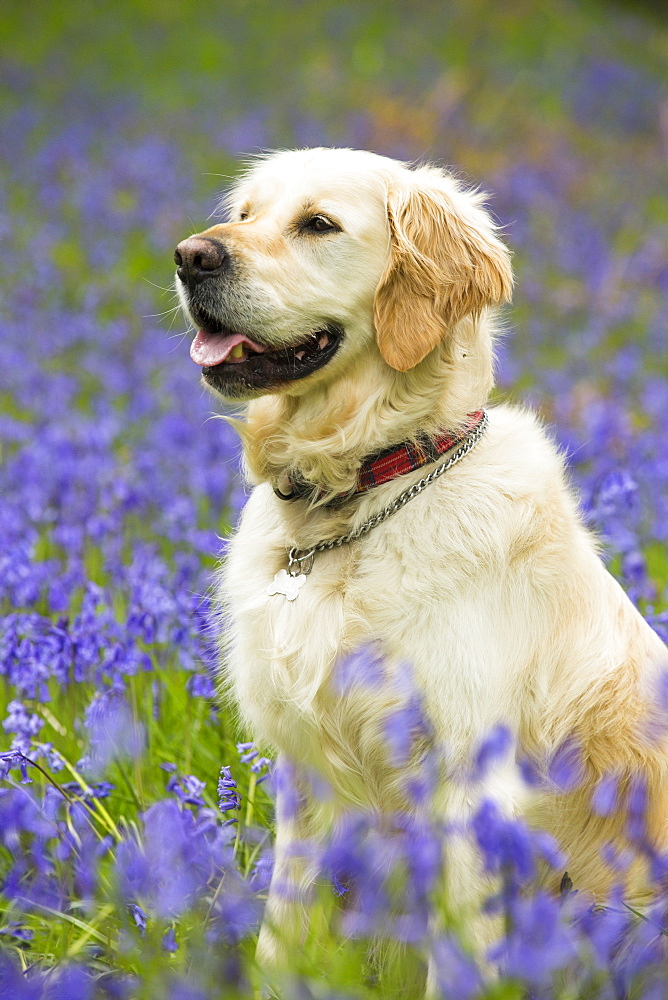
(201,686)
(11,759)
(73,982)
(169,942)
(13,982)
(262,767)
(139,917)
(187,789)
(493,748)
(362,668)
(604,930)
(17,929)
(540,943)
(506,844)
(636,808)
(228,795)
(247,752)
(457,974)
(403,727)
(339,888)
(285,788)
(112,729)
(565,768)
(604,798)
(260,876)
(182,990)
(19,721)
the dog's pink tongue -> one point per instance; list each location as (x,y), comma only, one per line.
(209,349)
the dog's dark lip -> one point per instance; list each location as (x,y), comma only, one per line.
(268,371)
(206,321)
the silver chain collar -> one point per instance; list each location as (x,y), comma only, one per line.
(300,561)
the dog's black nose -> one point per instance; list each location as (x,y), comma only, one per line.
(199,257)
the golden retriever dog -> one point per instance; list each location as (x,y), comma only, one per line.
(350,305)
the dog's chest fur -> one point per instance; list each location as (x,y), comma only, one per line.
(435,587)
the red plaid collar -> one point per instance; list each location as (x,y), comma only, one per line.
(399,460)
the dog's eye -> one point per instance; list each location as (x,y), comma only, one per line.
(243,216)
(320,224)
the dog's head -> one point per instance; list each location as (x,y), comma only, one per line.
(330,256)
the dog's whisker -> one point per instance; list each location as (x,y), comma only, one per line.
(161,288)
(173,310)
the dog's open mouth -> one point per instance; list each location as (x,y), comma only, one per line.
(234,363)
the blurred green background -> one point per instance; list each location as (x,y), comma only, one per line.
(574,94)
(307,68)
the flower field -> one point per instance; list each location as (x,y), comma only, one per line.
(135,818)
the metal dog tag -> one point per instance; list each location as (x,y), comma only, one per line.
(286,585)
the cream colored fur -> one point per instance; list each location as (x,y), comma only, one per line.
(487,584)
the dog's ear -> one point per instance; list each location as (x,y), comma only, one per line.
(446,262)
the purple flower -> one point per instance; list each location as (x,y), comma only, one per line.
(260,876)
(565,769)
(72,983)
(604,929)
(181,990)
(506,844)
(339,888)
(13,982)
(20,722)
(175,861)
(169,942)
(362,668)
(604,799)
(636,807)
(247,752)
(14,758)
(284,781)
(112,729)
(493,748)
(404,727)
(139,917)
(457,974)
(539,944)
(187,789)
(95,790)
(228,796)
(201,686)
(18,930)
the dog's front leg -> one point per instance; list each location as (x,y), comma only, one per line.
(466,888)
(286,917)
(466,885)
